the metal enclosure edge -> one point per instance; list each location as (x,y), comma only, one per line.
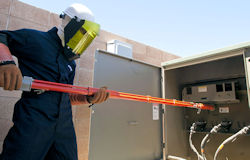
(246,57)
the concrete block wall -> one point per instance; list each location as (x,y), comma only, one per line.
(15,15)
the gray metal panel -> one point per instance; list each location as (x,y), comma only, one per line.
(125,130)
(207,56)
(247,72)
(176,136)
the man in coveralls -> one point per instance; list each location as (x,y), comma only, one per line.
(43,127)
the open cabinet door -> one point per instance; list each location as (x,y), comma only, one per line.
(120,129)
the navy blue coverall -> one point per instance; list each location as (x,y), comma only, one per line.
(43,127)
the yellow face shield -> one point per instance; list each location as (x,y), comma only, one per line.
(80,37)
(83,37)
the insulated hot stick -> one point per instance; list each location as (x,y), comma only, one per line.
(29,83)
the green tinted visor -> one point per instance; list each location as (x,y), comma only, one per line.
(83,37)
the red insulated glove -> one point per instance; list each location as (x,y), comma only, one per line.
(100,96)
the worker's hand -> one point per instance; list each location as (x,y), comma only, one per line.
(10,77)
(100,96)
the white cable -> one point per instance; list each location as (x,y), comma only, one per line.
(175,158)
(192,130)
(206,139)
(231,138)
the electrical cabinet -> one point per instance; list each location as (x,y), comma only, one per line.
(219,78)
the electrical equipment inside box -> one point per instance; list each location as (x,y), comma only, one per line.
(218,81)
(227,96)
(217,92)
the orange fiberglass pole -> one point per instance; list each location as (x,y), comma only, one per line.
(60,87)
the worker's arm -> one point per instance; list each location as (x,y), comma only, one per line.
(10,74)
(100,96)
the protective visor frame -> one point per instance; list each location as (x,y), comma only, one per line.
(82,37)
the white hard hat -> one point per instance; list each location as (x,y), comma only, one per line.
(80,11)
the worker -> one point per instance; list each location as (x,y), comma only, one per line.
(43,127)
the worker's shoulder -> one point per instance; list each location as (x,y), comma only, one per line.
(34,32)
(31,31)
(23,31)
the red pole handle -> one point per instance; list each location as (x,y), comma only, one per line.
(67,88)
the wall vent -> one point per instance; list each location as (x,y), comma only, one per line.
(120,48)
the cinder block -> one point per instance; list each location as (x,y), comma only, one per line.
(2,27)
(5,126)
(1,146)
(86,62)
(4,93)
(76,79)
(82,112)
(82,121)
(168,57)
(54,20)
(7,107)
(74,113)
(3,20)
(138,48)
(18,23)
(83,156)
(99,45)
(82,128)
(89,52)
(85,77)
(152,61)
(148,60)
(30,13)
(5,6)
(106,36)
(139,57)
(154,53)
(83,148)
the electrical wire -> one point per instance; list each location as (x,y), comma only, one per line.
(175,158)
(206,139)
(231,139)
(192,131)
